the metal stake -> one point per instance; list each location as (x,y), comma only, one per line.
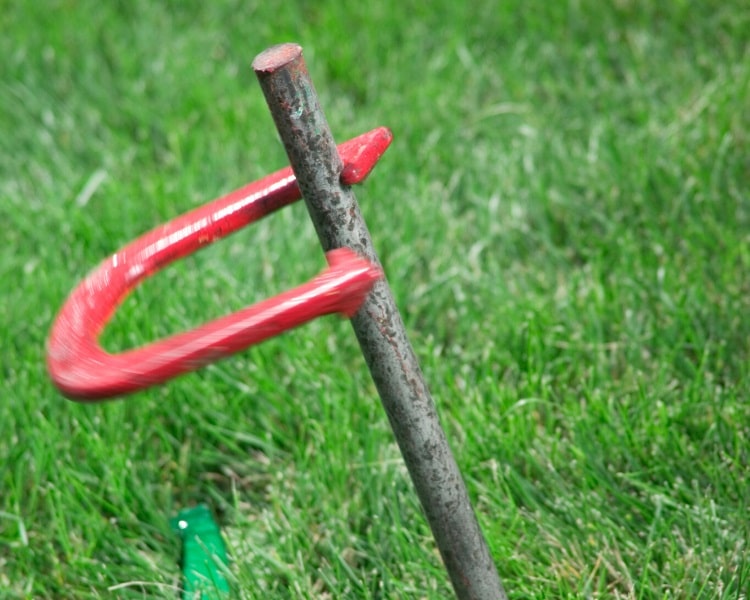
(333,208)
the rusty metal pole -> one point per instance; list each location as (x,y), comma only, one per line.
(333,208)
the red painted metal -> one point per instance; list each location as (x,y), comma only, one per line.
(82,370)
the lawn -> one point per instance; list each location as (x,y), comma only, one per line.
(564,218)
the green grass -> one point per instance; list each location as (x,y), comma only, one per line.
(564,220)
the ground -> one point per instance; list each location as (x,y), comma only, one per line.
(563,217)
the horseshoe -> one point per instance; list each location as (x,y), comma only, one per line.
(82,370)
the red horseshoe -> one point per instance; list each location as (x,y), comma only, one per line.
(82,370)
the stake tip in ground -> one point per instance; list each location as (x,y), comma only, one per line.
(276,57)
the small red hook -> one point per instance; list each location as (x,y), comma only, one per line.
(82,370)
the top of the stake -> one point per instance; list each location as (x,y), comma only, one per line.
(276,57)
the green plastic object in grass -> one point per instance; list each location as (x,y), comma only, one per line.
(204,555)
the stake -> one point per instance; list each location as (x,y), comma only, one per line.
(411,411)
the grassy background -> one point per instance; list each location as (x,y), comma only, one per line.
(564,219)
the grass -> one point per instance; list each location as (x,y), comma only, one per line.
(564,220)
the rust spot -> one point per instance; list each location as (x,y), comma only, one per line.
(276,57)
